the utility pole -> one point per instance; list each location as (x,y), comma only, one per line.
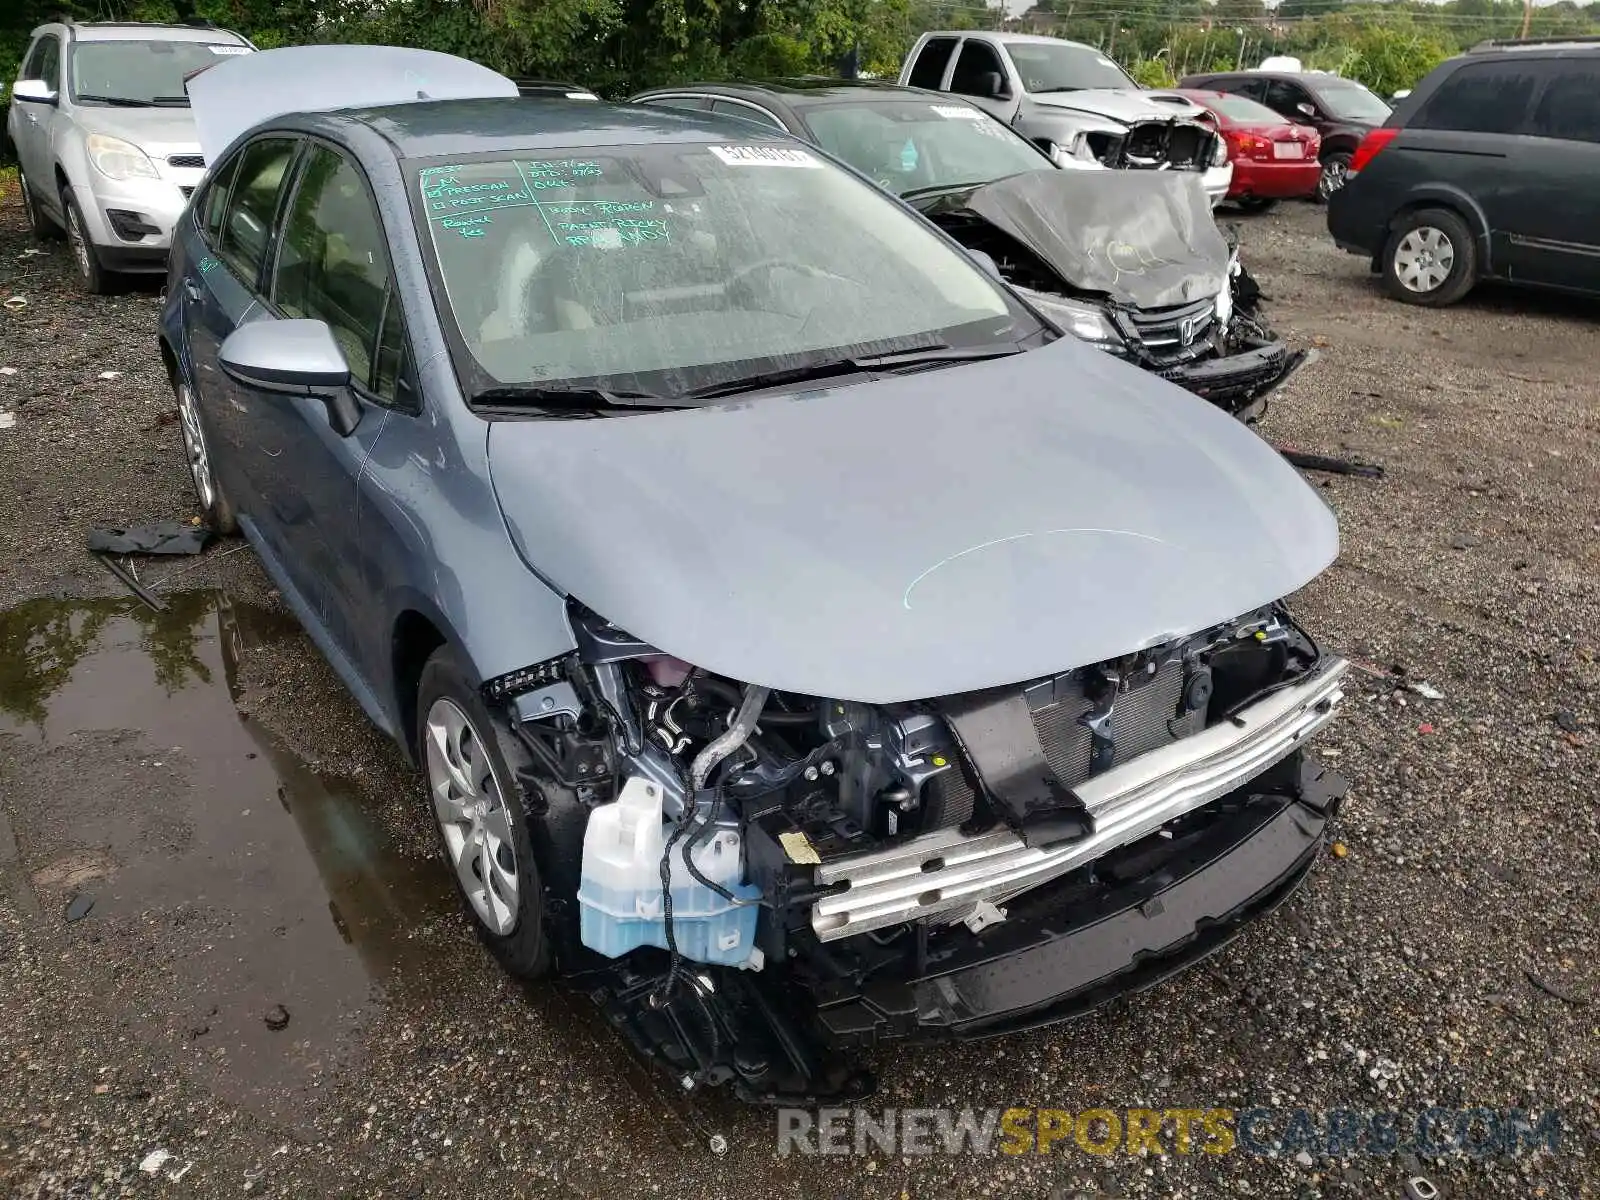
(1527,17)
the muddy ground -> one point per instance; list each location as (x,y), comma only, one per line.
(254,852)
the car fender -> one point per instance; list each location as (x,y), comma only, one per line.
(1436,194)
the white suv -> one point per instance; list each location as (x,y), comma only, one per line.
(106,143)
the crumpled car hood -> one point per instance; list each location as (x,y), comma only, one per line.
(1145,238)
(1118,104)
(920,535)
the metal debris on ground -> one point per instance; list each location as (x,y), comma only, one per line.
(8,420)
(1420,1187)
(8,370)
(110,374)
(1331,466)
(131,582)
(1550,989)
(15,303)
(1426,690)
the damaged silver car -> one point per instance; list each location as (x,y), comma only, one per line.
(1131,261)
(805,645)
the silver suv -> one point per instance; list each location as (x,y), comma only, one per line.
(107,145)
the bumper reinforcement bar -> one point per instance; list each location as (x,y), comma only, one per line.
(945,875)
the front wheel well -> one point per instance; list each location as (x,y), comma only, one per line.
(414,641)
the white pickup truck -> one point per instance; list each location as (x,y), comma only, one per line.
(1072,101)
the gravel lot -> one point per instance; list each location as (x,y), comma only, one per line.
(249,842)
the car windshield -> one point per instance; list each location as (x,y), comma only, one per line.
(1347,100)
(150,72)
(1047,67)
(672,268)
(1241,109)
(910,145)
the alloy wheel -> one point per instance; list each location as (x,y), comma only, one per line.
(472,816)
(194,447)
(1334,172)
(1423,259)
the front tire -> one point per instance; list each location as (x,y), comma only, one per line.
(1431,259)
(41,226)
(94,277)
(1335,170)
(479,818)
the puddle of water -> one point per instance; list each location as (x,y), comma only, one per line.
(228,877)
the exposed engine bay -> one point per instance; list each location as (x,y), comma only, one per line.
(749,881)
(1135,264)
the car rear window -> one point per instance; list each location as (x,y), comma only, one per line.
(657,268)
(1486,97)
(1569,106)
(1243,110)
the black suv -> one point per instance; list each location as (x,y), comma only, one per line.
(1341,110)
(1490,169)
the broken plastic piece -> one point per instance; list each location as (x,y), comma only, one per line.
(163,537)
(984,914)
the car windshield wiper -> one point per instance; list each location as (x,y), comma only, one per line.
(929,355)
(119,101)
(1061,87)
(171,101)
(569,399)
(934,189)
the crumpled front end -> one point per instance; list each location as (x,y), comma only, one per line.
(753,883)
(1136,266)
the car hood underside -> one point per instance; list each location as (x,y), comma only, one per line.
(1143,238)
(919,535)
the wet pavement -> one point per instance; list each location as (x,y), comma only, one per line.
(284,912)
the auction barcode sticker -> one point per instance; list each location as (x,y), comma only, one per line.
(957,112)
(222,48)
(764,156)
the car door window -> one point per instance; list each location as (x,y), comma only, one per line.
(750,112)
(928,70)
(45,62)
(1490,97)
(976,68)
(333,266)
(694,103)
(252,205)
(215,202)
(1569,107)
(1286,98)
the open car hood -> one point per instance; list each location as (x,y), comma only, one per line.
(920,535)
(1145,238)
(244,90)
(1120,104)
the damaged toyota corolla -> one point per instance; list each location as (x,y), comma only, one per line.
(804,645)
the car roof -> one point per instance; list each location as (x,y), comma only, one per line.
(1565,46)
(431,128)
(1031,39)
(801,91)
(144,31)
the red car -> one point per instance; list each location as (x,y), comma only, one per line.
(1273,158)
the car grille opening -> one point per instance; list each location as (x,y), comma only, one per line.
(186,160)
(1146,715)
(1171,335)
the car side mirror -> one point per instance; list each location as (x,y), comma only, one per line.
(294,358)
(987,262)
(34,91)
(992,85)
